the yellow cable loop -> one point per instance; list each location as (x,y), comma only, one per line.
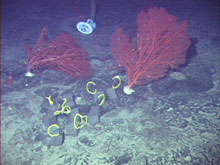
(119,82)
(65,109)
(88,87)
(51,100)
(103,99)
(50,132)
(80,121)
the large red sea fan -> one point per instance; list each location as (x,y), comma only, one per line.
(63,54)
(162,44)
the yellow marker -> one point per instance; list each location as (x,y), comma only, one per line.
(103,99)
(119,83)
(80,121)
(50,130)
(65,109)
(51,100)
(88,87)
(57,113)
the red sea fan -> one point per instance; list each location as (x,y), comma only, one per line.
(162,44)
(63,54)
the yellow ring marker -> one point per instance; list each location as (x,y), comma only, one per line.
(50,132)
(57,113)
(119,83)
(80,121)
(65,109)
(51,100)
(88,87)
(65,100)
(103,99)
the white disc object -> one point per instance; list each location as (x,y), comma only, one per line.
(86,27)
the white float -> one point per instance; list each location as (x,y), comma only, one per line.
(86,27)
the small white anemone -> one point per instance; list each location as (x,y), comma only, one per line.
(127,90)
(29,74)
